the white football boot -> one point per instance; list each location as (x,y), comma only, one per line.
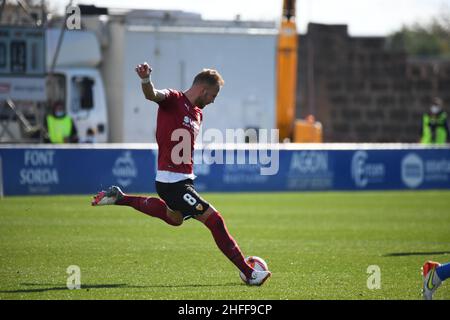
(431,280)
(258,277)
(108,197)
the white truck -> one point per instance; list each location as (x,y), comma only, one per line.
(95,77)
(76,82)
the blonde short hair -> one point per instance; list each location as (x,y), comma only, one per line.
(210,77)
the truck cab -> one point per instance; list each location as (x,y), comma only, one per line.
(77,83)
(82,92)
(42,67)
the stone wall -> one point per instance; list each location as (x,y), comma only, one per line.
(363,92)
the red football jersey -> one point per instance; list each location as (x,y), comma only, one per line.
(177,112)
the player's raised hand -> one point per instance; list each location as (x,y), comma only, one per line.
(143,70)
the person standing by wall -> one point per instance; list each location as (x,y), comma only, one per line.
(434,124)
(60,126)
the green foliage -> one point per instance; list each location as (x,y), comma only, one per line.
(318,246)
(430,39)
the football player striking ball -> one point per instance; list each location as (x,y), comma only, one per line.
(178,123)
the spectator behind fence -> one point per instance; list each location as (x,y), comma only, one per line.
(434,124)
(60,126)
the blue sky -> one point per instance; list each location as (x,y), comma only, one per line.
(364,17)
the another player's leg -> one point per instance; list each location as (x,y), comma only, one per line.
(434,274)
(443,271)
(151,206)
(215,223)
(431,280)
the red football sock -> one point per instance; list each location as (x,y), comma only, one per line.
(226,243)
(154,207)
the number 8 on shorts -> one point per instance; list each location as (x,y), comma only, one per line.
(189,199)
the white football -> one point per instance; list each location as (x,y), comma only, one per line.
(256,263)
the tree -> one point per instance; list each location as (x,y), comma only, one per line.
(430,39)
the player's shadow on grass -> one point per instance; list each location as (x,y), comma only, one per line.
(107,286)
(403,254)
(84,287)
(196,285)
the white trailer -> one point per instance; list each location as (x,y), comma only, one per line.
(95,79)
(178,45)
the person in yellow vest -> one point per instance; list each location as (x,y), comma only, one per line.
(434,125)
(60,127)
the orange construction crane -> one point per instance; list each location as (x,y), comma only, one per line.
(287,71)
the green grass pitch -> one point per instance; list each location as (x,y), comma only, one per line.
(318,246)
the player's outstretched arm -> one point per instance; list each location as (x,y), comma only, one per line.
(144,71)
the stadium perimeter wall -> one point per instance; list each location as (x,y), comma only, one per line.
(85,169)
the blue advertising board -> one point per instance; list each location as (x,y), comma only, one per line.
(75,171)
(30,170)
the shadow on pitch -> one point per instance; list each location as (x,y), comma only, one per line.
(108,286)
(37,290)
(404,254)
